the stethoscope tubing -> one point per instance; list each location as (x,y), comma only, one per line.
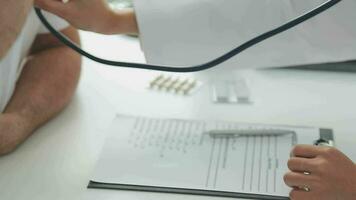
(185,69)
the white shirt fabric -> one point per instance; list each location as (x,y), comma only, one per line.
(190,32)
(11,65)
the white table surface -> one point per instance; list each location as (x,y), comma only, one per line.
(57,161)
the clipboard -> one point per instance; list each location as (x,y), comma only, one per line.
(326,138)
(185,191)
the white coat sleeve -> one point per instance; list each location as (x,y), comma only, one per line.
(187,32)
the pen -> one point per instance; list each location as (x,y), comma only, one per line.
(248,132)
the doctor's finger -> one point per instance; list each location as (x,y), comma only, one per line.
(306,151)
(294,179)
(298,195)
(297,164)
(54,6)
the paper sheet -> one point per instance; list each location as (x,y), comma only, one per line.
(179,154)
(187,32)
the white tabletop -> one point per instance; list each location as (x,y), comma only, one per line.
(57,161)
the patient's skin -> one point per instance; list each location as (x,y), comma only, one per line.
(47,82)
(13,14)
(81,14)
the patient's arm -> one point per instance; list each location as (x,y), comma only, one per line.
(45,87)
(13,14)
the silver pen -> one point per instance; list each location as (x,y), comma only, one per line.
(249,132)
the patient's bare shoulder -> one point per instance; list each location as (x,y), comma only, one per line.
(13,15)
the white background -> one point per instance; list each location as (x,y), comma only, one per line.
(57,161)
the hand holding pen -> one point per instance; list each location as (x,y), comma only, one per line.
(320,172)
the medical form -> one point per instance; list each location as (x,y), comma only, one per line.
(180,156)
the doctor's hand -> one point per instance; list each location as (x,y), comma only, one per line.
(92,15)
(320,173)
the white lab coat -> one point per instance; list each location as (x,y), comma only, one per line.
(184,32)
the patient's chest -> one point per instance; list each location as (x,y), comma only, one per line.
(10,65)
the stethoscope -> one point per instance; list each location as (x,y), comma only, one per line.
(316,11)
